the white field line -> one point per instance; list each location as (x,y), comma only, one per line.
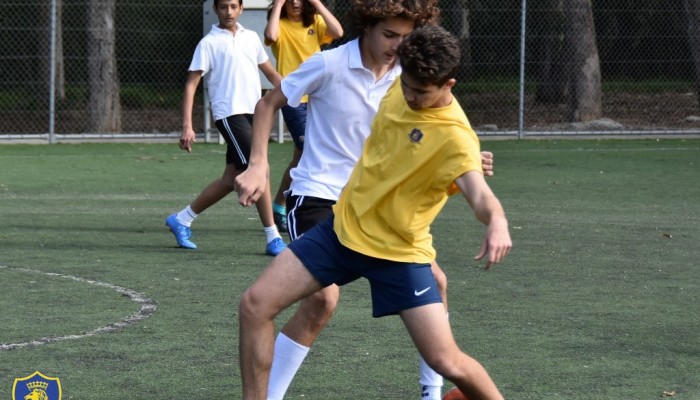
(148,307)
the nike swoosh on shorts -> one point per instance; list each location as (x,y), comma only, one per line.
(417,293)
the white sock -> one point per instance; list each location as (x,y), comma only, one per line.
(186,216)
(431,393)
(288,358)
(272,233)
(431,382)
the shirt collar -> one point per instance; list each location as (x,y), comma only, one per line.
(354,57)
(217,31)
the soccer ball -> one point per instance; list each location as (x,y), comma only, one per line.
(454,394)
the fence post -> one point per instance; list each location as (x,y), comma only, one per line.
(52,73)
(521,105)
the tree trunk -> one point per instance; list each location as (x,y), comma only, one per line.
(104,106)
(551,56)
(45,51)
(585,94)
(60,65)
(692,12)
(462,32)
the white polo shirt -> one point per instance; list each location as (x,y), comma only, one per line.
(343,99)
(229,63)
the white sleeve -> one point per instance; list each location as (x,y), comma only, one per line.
(262,54)
(310,75)
(201,59)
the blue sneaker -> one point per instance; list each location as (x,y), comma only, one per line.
(182,233)
(275,247)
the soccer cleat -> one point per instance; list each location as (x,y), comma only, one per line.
(275,247)
(280,221)
(182,233)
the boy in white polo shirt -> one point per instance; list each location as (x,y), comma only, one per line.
(296,29)
(345,86)
(229,58)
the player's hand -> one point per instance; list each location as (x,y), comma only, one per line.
(250,185)
(487,163)
(496,244)
(187,139)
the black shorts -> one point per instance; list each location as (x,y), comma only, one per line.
(305,212)
(237,131)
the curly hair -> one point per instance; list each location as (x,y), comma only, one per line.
(430,54)
(307,13)
(367,13)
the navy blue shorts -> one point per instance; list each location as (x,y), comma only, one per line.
(395,286)
(237,131)
(295,119)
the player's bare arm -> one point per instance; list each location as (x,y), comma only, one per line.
(187,138)
(272,29)
(270,73)
(251,183)
(333,28)
(488,210)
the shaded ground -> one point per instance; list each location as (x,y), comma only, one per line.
(633,110)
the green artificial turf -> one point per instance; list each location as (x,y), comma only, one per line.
(597,300)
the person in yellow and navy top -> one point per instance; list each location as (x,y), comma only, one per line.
(420,151)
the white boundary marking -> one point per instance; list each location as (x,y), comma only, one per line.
(148,307)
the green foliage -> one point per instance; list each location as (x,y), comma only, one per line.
(16,99)
(597,299)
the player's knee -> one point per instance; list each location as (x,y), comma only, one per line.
(252,307)
(228,184)
(319,307)
(246,308)
(454,365)
(448,367)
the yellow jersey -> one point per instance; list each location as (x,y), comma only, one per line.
(403,179)
(295,43)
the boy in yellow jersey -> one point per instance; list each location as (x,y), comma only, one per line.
(421,150)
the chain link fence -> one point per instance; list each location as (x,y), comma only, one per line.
(116,68)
